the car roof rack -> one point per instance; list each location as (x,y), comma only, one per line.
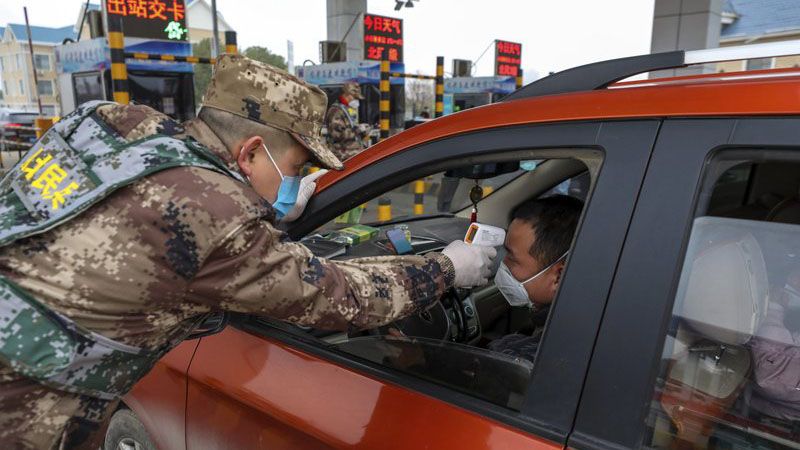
(600,75)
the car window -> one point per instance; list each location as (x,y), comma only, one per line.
(472,341)
(730,369)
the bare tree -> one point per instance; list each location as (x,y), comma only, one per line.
(420,96)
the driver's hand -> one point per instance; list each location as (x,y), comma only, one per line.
(473,263)
(307,187)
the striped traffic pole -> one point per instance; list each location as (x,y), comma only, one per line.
(384,104)
(439,87)
(419,197)
(519,79)
(172,58)
(384,209)
(119,71)
(230,42)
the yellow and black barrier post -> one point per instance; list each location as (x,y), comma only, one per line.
(439,111)
(167,57)
(384,209)
(519,79)
(385,99)
(119,71)
(42,124)
(419,197)
(230,42)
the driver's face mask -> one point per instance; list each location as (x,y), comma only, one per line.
(513,290)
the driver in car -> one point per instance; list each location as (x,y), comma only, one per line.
(537,244)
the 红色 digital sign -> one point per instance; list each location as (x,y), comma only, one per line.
(507,58)
(383,38)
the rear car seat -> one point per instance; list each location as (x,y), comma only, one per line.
(787,211)
(722,300)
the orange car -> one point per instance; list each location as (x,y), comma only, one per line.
(674,306)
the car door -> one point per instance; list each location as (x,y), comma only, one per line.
(666,373)
(257,385)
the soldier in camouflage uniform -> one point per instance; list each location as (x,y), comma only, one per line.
(345,134)
(140,266)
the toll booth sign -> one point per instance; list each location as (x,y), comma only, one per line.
(151,19)
(507,59)
(383,38)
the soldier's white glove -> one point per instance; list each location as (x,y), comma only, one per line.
(307,187)
(472,263)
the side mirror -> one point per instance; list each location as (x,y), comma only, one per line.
(213,324)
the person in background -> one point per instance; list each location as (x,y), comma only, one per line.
(345,135)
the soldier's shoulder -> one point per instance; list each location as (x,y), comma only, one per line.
(137,121)
(219,196)
(334,110)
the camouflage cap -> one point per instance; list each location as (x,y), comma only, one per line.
(268,95)
(352,88)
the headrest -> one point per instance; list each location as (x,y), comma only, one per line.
(724,288)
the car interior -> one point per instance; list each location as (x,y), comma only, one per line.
(729,375)
(447,343)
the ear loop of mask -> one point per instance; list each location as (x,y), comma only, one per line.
(273,161)
(545,269)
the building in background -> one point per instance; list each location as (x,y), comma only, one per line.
(16,70)
(200,23)
(757,22)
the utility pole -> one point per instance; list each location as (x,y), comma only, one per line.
(33,63)
(215,28)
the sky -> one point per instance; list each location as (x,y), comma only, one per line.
(555,35)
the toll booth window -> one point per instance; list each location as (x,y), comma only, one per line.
(88,86)
(730,371)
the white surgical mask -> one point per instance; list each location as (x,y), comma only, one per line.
(514,290)
(353,104)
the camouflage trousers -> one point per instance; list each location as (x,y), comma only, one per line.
(33,416)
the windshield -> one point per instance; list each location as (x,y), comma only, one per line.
(440,193)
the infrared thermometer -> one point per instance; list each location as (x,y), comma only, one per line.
(485,235)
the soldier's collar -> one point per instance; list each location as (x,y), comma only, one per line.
(203,134)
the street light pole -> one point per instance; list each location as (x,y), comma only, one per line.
(215,29)
(33,63)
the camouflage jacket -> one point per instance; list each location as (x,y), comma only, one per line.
(187,241)
(344,137)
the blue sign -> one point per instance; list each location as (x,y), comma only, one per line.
(448,104)
(362,72)
(84,56)
(94,54)
(480,85)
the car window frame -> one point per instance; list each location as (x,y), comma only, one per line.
(552,400)
(619,388)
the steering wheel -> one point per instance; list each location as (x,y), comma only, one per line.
(434,322)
